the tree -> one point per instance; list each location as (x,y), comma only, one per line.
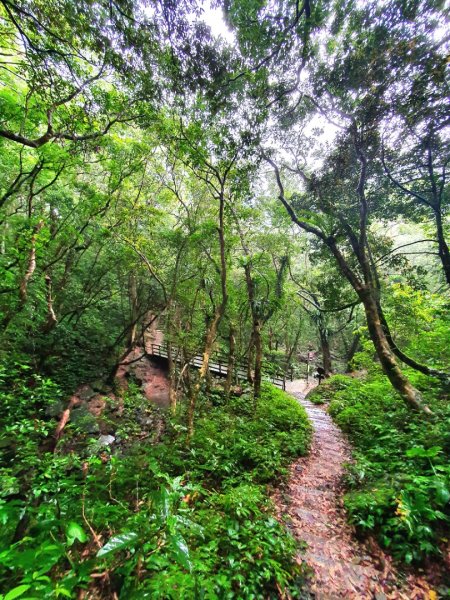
(419,176)
(332,225)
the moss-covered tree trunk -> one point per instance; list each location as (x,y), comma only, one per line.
(363,279)
(399,381)
(354,346)
(326,352)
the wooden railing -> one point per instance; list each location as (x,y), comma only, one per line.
(218,364)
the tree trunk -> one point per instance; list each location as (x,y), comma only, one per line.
(364,288)
(387,359)
(326,354)
(294,347)
(172,379)
(214,324)
(258,358)
(231,361)
(352,351)
(51,316)
(368,295)
(23,288)
(250,359)
(209,343)
(443,250)
(134,309)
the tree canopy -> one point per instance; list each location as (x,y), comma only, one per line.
(272,200)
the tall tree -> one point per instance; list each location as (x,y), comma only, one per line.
(319,213)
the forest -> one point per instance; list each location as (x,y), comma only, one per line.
(224,299)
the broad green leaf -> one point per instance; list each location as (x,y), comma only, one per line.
(117,543)
(442,493)
(16,592)
(181,551)
(75,532)
(161,503)
(422,452)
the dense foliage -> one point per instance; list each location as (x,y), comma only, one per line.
(399,482)
(269,189)
(400,478)
(167,520)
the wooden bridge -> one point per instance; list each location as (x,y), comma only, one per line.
(218,364)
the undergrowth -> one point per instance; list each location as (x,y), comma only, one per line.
(398,485)
(176,519)
(324,392)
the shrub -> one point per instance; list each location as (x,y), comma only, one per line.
(399,483)
(325,391)
(180,519)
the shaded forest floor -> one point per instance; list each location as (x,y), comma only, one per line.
(311,504)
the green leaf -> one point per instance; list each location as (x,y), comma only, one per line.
(442,493)
(75,532)
(16,592)
(161,503)
(117,543)
(421,452)
(181,551)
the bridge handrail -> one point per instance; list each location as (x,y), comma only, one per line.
(278,379)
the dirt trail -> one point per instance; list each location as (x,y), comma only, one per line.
(312,502)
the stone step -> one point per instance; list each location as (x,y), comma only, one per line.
(355,571)
(313,490)
(318,542)
(326,439)
(311,516)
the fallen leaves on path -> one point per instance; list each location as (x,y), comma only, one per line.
(311,504)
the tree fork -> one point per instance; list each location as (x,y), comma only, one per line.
(445,377)
(400,383)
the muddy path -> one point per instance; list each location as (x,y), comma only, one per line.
(311,504)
